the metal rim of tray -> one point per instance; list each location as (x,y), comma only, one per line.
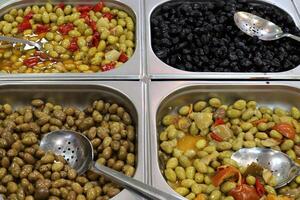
(147,122)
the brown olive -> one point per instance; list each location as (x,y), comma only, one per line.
(43,175)
(115,145)
(41,193)
(55,176)
(37,102)
(98,105)
(112,191)
(111,162)
(28,158)
(118,165)
(5,162)
(72,174)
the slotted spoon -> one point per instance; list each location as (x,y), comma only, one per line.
(78,152)
(281,166)
(254,25)
(28,44)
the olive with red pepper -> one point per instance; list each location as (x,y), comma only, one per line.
(83,38)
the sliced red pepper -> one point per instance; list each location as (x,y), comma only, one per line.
(24,26)
(225,172)
(109,66)
(73,45)
(40,28)
(65,28)
(95,39)
(89,21)
(244,180)
(85,8)
(218,121)
(123,58)
(256,122)
(259,188)
(244,192)
(93,25)
(108,15)
(216,137)
(28,16)
(85,16)
(98,7)
(30,62)
(60,5)
(285,129)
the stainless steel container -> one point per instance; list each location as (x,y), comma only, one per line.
(157,69)
(166,96)
(132,69)
(297,5)
(80,94)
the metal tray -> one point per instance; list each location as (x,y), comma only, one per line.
(128,94)
(157,69)
(297,5)
(132,69)
(166,96)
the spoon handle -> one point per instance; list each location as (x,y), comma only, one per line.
(133,185)
(18,40)
(292,36)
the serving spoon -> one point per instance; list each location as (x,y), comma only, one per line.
(28,44)
(254,25)
(281,166)
(77,150)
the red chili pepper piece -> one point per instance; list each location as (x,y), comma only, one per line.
(256,122)
(84,8)
(287,130)
(109,66)
(93,25)
(123,58)
(60,5)
(30,62)
(73,45)
(98,7)
(28,16)
(244,192)
(89,21)
(65,28)
(224,172)
(216,137)
(108,15)
(85,15)
(42,28)
(24,25)
(218,121)
(95,39)
(259,188)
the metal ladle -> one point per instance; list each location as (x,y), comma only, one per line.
(254,25)
(281,166)
(28,44)
(78,152)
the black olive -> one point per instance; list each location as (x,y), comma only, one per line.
(202,36)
